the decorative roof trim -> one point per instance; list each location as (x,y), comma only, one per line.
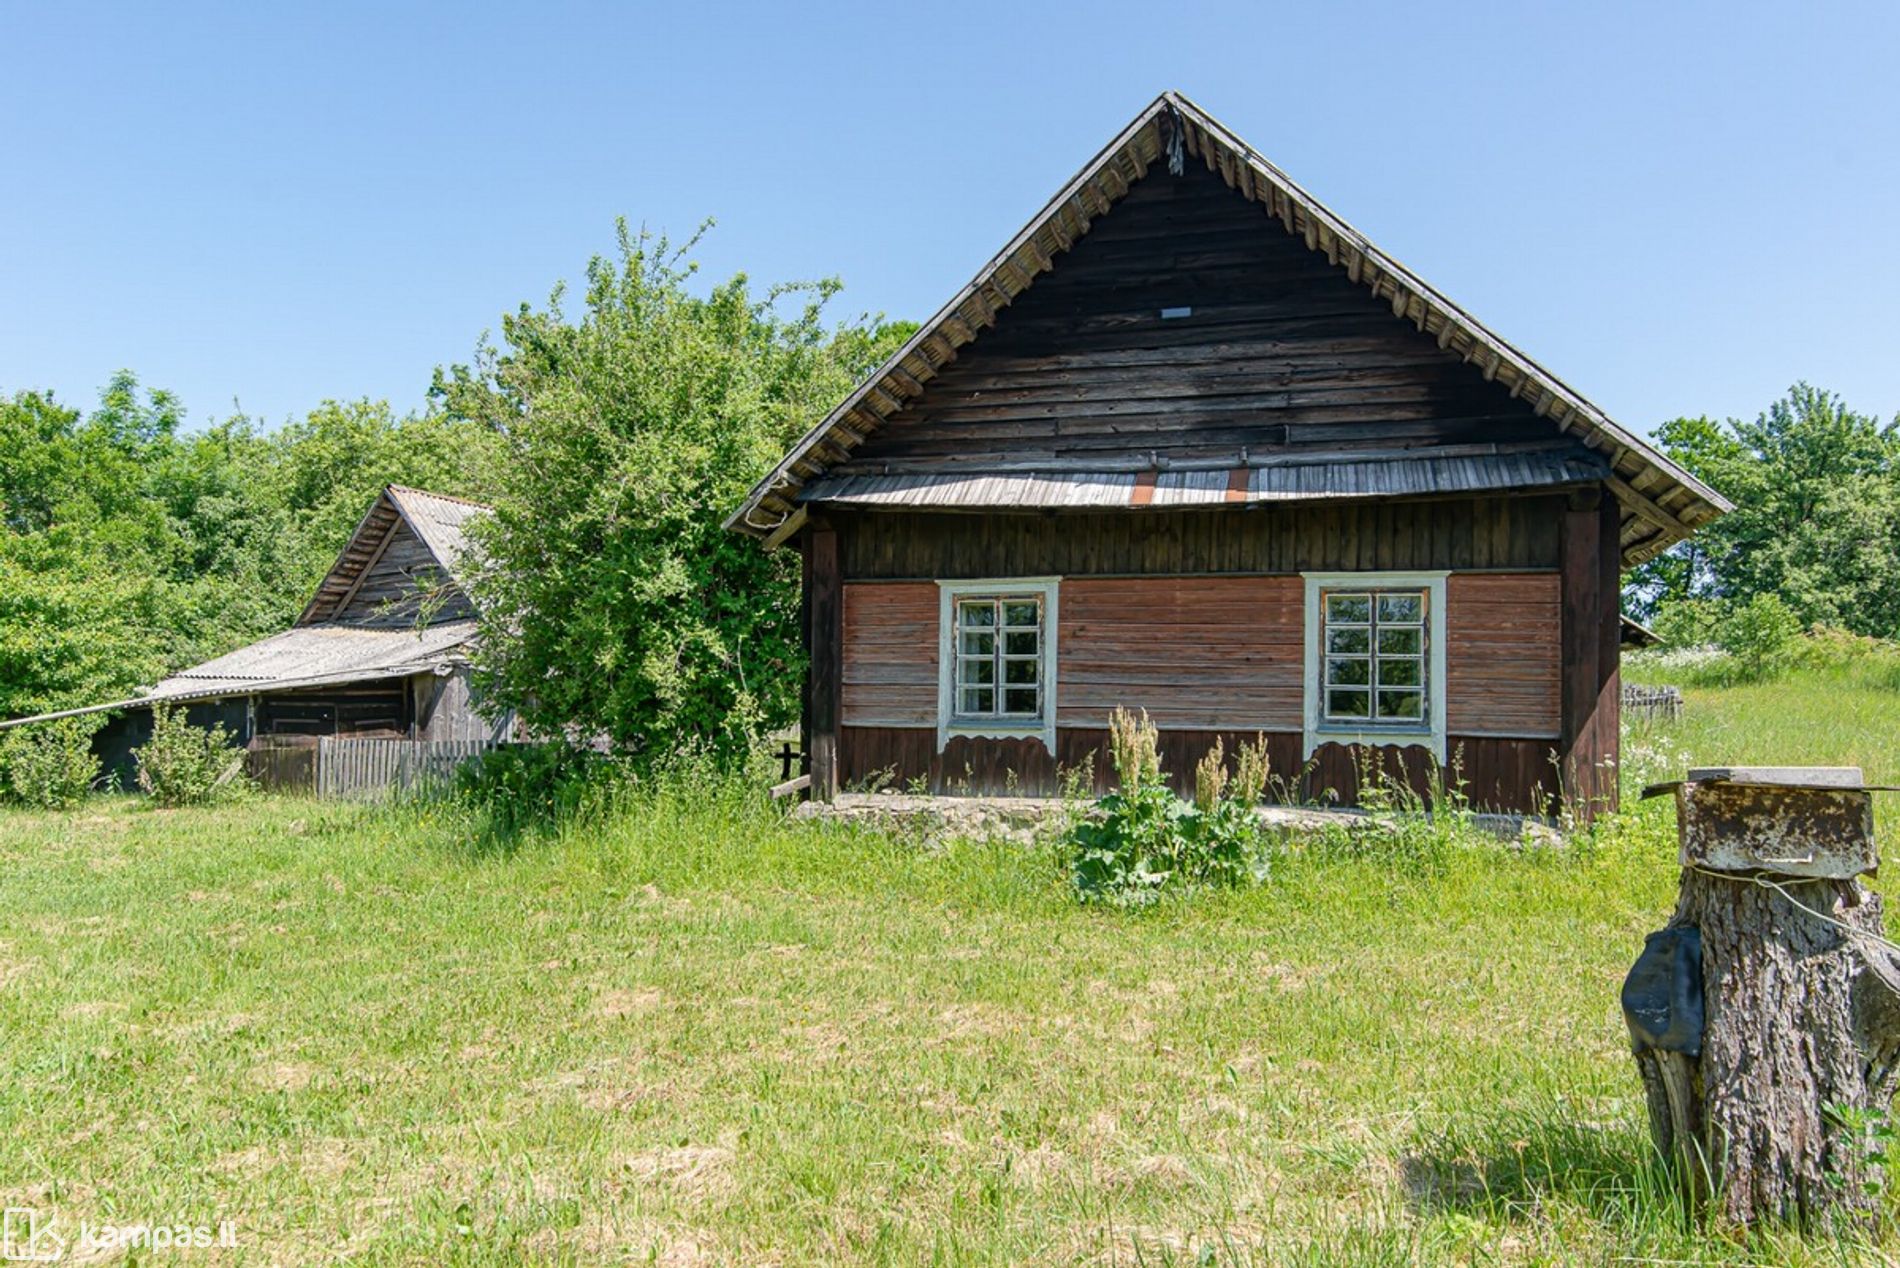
(1662,503)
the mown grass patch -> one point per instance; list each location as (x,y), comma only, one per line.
(691,1031)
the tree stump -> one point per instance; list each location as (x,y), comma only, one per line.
(1790,1006)
(1800,1017)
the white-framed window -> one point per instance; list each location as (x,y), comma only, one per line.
(996,659)
(1375,659)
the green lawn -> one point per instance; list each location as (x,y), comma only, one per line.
(701,1035)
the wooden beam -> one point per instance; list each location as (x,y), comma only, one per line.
(786,530)
(1589,563)
(824,606)
(1646,506)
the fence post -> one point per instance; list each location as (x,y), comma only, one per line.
(1765,1017)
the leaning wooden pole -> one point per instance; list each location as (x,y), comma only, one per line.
(1766,1015)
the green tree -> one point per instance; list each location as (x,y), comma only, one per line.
(131,547)
(615,603)
(1816,488)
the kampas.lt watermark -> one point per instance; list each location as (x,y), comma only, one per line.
(31,1236)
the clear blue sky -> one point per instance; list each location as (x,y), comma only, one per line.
(1680,208)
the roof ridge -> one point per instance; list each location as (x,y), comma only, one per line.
(431,493)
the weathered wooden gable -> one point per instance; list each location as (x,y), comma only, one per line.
(1186,326)
(392,575)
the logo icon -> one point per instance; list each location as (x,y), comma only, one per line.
(25,1238)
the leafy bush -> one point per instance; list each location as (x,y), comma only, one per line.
(1758,634)
(1142,840)
(50,766)
(1718,642)
(523,785)
(186,765)
(615,602)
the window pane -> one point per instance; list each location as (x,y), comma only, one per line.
(977,671)
(1016,672)
(977,614)
(1348,607)
(1348,704)
(1019,613)
(1400,673)
(1349,673)
(1401,705)
(1401,607)
(1402,641)
(1020,643)
(977,700)
(1020,701)
(1349,640)
(978,643)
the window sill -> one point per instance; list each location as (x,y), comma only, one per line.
(994,729)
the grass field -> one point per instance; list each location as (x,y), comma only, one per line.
(695,1033)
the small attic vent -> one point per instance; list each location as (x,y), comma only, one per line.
(1170,314)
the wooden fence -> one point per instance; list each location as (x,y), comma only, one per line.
(1652,704)
(350,766)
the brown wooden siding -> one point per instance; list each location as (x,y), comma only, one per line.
(1200,654)
(1508,775)
(1514,533)
(1502,636)
(1208,653)
(890,655)
(1281,351)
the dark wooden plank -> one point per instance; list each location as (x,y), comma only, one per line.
(1522,534)
(825,605)
(1084,360)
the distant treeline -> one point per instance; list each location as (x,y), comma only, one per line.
(1815,535)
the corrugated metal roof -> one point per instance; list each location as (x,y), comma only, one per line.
(306,656)
(1320,481)
(330,652)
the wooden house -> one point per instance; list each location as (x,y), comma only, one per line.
(381,649)
(1190,443)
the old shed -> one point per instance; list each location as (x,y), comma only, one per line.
(380,651)
(1191,443)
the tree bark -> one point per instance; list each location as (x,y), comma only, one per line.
(1801,1018)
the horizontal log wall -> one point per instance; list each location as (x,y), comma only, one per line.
(1205,656)
(1210,652)
(890,654)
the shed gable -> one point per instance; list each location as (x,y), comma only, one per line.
(404,565)
(1181,331)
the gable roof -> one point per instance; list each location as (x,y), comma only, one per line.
(437,519)
(1660,502)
